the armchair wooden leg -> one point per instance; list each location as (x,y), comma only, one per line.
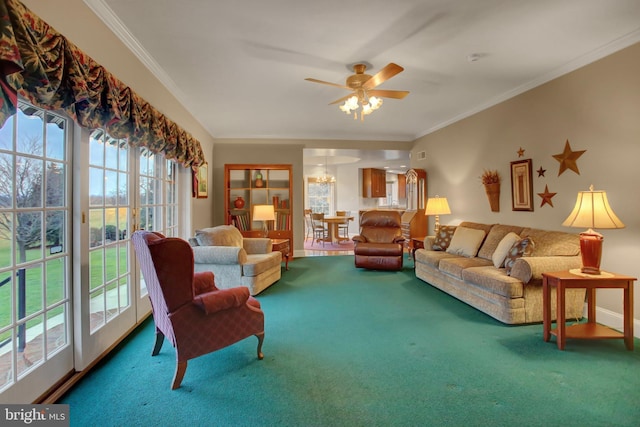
(181,368)
(158,345)
(260,341)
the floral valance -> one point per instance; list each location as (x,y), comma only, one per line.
(44,67)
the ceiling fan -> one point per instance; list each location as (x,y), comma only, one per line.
(365,96)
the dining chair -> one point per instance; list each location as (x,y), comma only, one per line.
(320,232)
(308,224)
(343,228)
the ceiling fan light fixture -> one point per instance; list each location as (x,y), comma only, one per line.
(361,84)
(367,105)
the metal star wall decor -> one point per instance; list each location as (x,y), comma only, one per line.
(521,152)
(546,196)
(541,172)
(568,159)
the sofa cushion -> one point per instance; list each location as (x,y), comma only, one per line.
(431,258)
(222,235)
(443,237)
(495,280)
(495,235)
(523,247)
(455,265)
(259,263)
(553,243)
(503,248)
(466,241)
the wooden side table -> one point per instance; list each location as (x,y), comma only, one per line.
(564,280)
(416,243)
(282,246)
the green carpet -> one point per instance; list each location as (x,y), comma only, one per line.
(350,347)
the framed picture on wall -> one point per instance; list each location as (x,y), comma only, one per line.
(200,182)
(521,182)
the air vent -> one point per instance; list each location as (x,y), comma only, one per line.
(422,155)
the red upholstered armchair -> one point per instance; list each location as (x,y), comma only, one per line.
(380,244)
(188,309)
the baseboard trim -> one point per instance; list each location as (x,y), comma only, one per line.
(613,320)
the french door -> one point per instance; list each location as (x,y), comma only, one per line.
(35,254)
(128,189)
(69,284)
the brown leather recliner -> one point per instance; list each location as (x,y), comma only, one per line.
(380,244)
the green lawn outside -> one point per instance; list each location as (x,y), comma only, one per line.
(54,280)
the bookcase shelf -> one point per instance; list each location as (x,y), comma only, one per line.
(259,184)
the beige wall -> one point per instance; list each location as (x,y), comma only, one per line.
(597,108)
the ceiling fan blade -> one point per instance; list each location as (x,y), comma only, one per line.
(327,83)
(344,98)
(386,73)
(397,94)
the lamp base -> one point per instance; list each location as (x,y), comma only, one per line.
(591,251)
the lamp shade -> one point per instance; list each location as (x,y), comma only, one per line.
(437,206)
(592,210)
(263,213)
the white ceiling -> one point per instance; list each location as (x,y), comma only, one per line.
(239,66)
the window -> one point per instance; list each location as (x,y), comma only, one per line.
(320,196)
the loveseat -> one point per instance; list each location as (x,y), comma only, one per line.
(236,260)
(498,268)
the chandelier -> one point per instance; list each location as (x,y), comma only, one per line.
(361,101)
(326,178)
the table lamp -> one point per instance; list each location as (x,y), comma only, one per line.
(264,213)
(592,210)
(437,206)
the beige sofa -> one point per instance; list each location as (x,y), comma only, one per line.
(236,260)
(514,298)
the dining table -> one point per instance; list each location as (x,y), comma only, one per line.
(332,226)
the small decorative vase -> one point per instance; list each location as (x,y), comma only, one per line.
(493,194)
(239,202)
(259,181)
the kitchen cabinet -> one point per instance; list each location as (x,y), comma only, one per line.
(374,182)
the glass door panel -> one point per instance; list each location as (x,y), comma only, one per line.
(35,331)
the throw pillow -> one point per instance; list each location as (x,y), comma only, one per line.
(521,248)
(443,238)
(503,248)
(466,241)
(222,235)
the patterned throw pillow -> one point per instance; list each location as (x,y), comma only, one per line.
(443,238)
(519,249)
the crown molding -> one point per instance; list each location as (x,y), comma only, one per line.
(111,20)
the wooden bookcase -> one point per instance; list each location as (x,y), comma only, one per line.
(275,187)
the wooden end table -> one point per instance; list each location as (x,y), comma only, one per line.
(416,243)
(282,246)
(564,280)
